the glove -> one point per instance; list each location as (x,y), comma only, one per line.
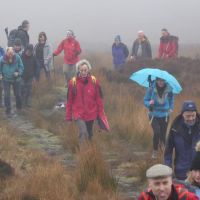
(16,74)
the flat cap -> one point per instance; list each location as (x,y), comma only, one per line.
(158,170)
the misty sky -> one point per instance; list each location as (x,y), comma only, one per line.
(98,21)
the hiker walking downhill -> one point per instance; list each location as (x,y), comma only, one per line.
(182,139)
(11,71)
(159,100)
(168,47)
(120,53)
(72,50)
(28,75)
(84,100)
(43,54)
(141,48)
(161,186)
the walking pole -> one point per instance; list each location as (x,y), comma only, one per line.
(54,71)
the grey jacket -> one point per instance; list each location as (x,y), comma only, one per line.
(48,55)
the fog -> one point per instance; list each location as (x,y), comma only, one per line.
(95,23)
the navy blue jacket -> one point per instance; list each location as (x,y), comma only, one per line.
(120,53)
(183,140)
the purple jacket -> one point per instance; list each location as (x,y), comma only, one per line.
(120,53)
(183,140)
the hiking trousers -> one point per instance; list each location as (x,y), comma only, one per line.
(85,129)
(159,126)
(16,85)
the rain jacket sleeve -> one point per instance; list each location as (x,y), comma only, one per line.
(77,49)
(99,99)
(169,149)
(60,48)
(148,97)
(69,102)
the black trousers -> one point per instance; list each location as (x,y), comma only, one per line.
(159,126)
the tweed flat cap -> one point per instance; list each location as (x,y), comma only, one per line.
(158,170)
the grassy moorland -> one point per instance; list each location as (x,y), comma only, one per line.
(113,166)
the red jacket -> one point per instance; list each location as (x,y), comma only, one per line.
(71,49)
(178,193)
(84,99)
(168,47)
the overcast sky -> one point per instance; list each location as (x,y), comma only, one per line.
(98,21)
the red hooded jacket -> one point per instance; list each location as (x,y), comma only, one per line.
(71,49)
(84,99)
(178,193)
(168,47)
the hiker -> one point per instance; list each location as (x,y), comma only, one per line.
(141,48)
(20,33)
(18,47)
(159,100)
(84,100)
(120,53)
(11,71)
(182,139)
(193,177)
(43,54)
(161,186)
(28,75)
(168,47)
(72,51)
(2,52)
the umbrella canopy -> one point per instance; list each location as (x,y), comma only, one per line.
(144,76)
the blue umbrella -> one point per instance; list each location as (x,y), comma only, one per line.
(142,77)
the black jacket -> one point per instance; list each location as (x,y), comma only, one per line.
(23,36)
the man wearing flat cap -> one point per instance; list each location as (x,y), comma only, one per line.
(161,187)
(182,139)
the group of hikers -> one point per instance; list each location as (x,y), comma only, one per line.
(22,62)
(141,49)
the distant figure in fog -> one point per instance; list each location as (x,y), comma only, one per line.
(84,100)
(43,54)
(2,52)
(120,53)
(168,45)
(141,48)
(72,50)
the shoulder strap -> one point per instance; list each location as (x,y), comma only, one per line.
(74,81)
(144,196)
(93,79)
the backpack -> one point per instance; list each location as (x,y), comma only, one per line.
(12,36)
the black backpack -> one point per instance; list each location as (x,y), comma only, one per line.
(12,36)
(175,39)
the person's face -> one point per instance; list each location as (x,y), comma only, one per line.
(84,70)
(10,52)
(27,28)
(117,41)
(69,34)
(189,117)
(196,176)
(160,83)
(28,53)
(161,187)
(41,39)
(140,36)
(17,48)
(164,33)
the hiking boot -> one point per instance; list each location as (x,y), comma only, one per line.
(154,154)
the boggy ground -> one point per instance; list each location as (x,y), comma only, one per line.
(45,154)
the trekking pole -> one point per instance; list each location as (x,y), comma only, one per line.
(54,71)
